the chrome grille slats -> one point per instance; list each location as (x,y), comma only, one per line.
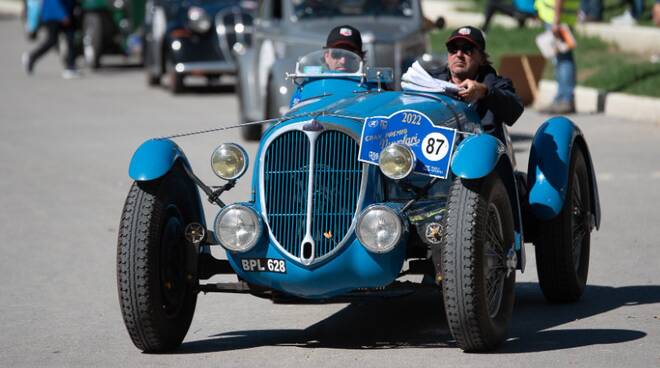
(334,200)
(324,203)
(286,171)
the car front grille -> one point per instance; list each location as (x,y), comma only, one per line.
(336,182)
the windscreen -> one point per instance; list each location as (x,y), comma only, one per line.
(304,9)
(329,61)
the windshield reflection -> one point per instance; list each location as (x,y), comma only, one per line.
(337,8)
(329,61)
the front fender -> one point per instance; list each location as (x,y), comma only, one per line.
(249,94)
(476,156)
(549,162)
(154,158)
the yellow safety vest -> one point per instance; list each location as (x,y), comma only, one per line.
(546,11)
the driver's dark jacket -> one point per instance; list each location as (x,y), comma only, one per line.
(500,105)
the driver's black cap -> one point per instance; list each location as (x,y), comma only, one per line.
(346,38)
(471,34)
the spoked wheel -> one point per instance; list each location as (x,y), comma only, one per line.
(563,245)
(156,295)
(478,263)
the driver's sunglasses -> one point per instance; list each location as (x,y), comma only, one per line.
(467,48)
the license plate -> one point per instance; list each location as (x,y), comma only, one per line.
(263,265)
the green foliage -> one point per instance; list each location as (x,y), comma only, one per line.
(600,65)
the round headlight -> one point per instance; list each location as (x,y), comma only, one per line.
(229,161)
(396,161)
(199,19)
(379,228)
(237,228)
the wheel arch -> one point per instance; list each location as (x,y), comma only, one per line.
(547,174)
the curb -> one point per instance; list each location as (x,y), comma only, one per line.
(614,104)
(8,7)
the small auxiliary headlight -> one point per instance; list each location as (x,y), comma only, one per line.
(237,228)
(396,161)
(229,161)
(379,228)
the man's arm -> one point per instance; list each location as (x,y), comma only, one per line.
(502,100)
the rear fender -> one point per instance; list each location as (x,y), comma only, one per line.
(154,158)
(549,161)
(475,158)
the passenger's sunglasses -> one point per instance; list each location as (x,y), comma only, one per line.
(467,48)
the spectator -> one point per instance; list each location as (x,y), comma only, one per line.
(632,15)
(591,10)
(656,13)
(57,18)
(553,13)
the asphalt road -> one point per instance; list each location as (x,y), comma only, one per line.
(64,152)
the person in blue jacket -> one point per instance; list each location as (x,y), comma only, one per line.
(56,17)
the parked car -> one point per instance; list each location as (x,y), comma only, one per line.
(393,34)
(195,37)
(111,27)
(353,188)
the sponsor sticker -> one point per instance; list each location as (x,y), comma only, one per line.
(432,145)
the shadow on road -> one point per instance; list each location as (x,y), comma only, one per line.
(418,321)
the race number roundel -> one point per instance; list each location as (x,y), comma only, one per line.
(435,146)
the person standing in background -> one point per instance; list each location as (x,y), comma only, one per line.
(554,13)
(56,17)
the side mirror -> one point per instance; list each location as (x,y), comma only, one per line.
(380,75)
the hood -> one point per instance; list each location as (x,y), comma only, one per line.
(382,29)
(441,109)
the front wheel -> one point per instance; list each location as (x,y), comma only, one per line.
(156,296)
(478,263)
(562,248)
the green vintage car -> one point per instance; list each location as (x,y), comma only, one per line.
(111,27)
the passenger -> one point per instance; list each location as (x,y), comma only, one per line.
(492,96)
(345,38)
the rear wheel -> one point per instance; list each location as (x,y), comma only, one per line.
(562,248)
(478,263)
(156,298)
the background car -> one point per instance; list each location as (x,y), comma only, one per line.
(111,27)
(393,34)
(195,37)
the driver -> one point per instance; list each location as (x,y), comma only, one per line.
(346,38)
(492,96)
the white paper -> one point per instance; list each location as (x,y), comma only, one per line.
(416,78)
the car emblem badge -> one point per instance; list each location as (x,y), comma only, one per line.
(195,233)
(313,126)
(328,234)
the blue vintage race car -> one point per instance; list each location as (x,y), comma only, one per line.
(353,188)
